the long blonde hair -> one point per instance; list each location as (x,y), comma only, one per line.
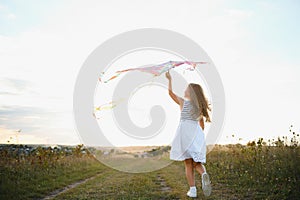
(200,104)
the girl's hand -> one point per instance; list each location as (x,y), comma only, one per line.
(168,76)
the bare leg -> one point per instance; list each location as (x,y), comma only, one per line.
(199,167)
(189,172)
(206,186)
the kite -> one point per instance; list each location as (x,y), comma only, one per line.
(156,70)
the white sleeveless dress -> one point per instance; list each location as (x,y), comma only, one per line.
(189,140)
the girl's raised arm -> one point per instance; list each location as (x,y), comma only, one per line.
(176,98)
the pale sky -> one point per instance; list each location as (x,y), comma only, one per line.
(253,44)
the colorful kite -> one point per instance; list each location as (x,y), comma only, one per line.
(156,70)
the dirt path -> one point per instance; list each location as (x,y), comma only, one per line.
(163,186)
(57,192)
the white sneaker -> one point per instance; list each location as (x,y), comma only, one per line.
(206,186)
(192,192)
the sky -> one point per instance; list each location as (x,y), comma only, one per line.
(253,44)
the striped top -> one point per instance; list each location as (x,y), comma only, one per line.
(186,112)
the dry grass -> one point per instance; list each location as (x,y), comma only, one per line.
(255,171)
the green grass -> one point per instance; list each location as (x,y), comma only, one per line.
(24,180)
(119,185)
(257,172)
(135,165)
(254,171)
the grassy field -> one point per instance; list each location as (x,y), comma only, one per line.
(254,171)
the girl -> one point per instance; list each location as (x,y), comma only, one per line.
(189,143)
